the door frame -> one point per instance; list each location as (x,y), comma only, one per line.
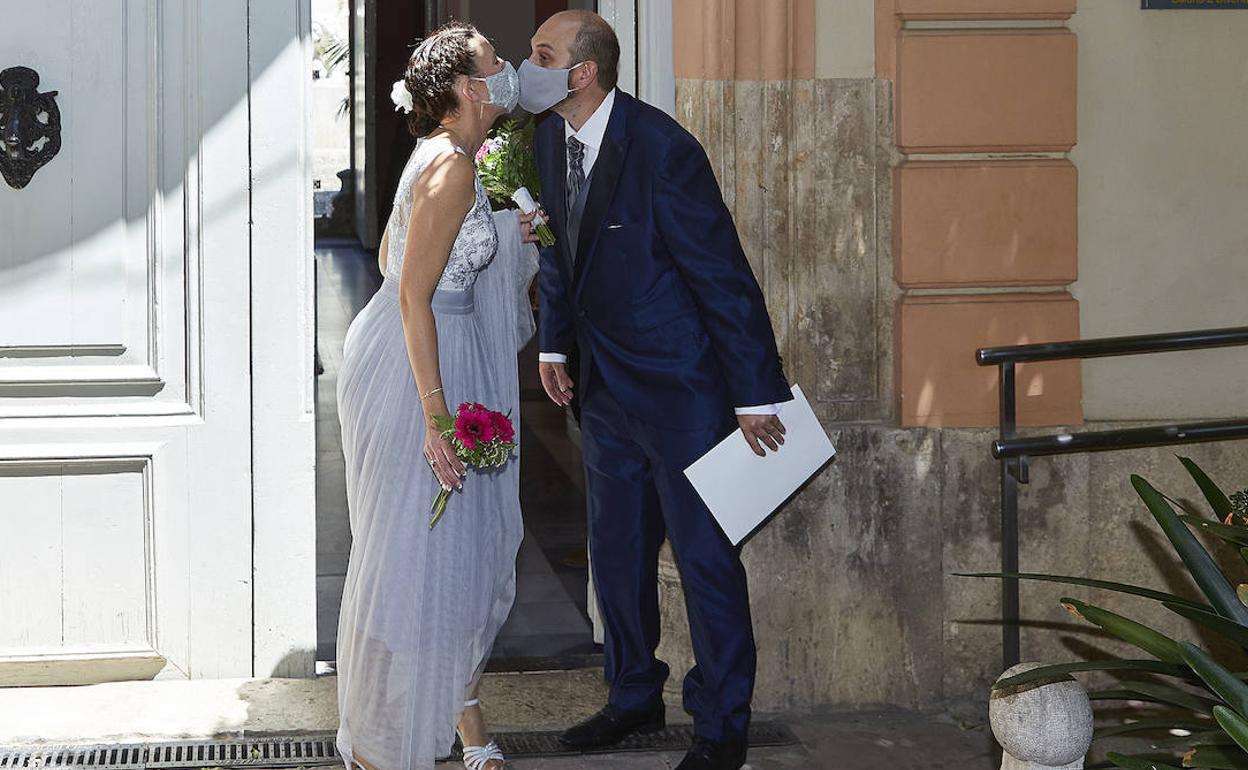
(644,28)
(283,419)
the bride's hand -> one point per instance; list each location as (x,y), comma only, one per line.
(441,456)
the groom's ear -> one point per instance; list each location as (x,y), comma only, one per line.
(588,75)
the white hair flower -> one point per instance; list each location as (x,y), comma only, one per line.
(401,97)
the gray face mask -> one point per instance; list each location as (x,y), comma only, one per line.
(542,87)
(504,87)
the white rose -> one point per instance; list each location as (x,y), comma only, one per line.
(401,97)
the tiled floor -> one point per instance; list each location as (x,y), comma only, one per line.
(548,620)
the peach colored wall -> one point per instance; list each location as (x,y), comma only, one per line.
(985,91)
(1004,218)
(985,9)
(744,39)
(940,383)
(986,223)
(887,30)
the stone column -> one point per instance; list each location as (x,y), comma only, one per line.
(804,163)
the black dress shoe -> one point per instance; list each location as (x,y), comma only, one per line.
(612,725)
(705,754)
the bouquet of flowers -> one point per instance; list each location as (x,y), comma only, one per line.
(481,438)
(508,171)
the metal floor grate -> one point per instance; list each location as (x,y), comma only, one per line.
(319,749)
(247,752)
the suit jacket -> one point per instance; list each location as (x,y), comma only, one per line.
(660,298)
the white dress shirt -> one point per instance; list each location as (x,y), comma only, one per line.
(591,134)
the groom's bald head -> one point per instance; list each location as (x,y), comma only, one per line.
(585,36)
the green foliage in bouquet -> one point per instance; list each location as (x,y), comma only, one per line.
(507,167)
(506,161)
(1204,705)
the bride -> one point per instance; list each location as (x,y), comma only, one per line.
(421,606)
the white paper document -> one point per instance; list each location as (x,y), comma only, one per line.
(743,489)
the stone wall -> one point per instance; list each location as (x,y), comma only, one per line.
(854,601)
(805,166)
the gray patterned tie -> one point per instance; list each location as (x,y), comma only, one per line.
(576,170)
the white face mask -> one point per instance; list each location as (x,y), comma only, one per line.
(504,87)
(543,87)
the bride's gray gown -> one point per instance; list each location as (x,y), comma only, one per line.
(421,607)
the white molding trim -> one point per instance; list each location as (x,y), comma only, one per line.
(644,28)
(656,76)
(283,416)
(622,16)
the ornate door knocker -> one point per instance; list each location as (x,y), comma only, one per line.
(30,126)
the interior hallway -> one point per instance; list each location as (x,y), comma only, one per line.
(548,627)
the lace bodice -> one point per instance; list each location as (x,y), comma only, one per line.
(474,247)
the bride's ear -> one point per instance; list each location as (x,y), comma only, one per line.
(468,91)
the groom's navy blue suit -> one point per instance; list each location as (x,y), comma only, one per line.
(673,334)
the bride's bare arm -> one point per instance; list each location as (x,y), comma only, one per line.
(441,198)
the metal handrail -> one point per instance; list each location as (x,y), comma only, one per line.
(1014,452)
(1125,438)
(1115,346)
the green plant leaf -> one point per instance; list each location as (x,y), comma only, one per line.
(1222,682)
(1237,536)
(1122,588)
(1118,695)
(1216,758)
(1202,566)
(1157,693)
(1227,628)
(1132,632)
(1234,725)
(1137,763)
(1145,725)
(1218,500)
(1119,664)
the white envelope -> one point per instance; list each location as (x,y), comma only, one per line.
(743,489)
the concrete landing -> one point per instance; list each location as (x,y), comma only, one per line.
(169,710)
(128,712)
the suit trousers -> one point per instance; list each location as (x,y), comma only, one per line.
(637,496)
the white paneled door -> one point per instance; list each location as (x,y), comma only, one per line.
(125,349)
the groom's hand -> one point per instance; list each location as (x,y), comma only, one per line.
(762,430)
(557,383)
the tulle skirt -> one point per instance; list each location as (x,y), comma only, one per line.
(421,607)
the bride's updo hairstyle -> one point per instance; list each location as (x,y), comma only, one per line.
(436,64)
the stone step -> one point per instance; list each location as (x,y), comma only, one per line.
(165,710)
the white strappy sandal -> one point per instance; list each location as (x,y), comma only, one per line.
(477,757)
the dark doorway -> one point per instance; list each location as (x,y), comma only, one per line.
(549,625)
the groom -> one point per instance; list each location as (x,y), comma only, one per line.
(648,281)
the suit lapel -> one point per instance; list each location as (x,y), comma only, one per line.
(603,180)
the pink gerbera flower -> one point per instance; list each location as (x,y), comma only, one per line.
(473,426)
(503,429)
